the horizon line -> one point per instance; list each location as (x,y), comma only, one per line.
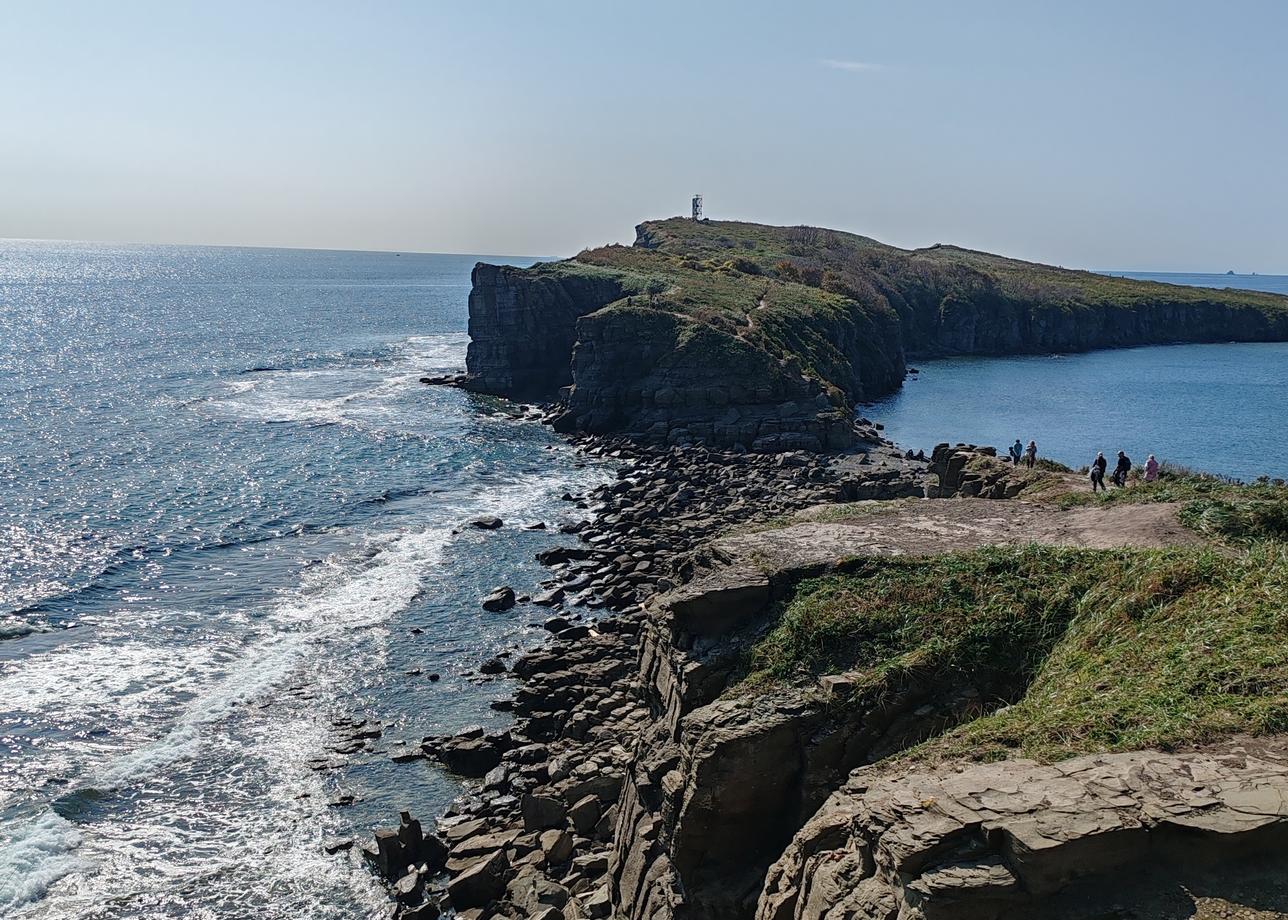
(410,252)
(545,258)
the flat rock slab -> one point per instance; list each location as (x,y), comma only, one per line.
(1020,839)
(925,527)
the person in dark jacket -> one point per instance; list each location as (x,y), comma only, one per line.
(1016,451)
(1122,469)
(1098,472)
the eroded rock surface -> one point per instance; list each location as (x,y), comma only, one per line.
(720,781)
(1114,835)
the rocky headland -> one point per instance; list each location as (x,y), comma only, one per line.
(743,335)
(794,672)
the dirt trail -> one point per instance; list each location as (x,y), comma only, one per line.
(829,533)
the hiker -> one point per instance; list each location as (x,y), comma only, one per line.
(1031,454)
(1151,469)
(1017,449)
(1121,470)
(1098,472)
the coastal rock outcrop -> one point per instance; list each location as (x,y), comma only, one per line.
(664,378)
(522,326)
(731,334)
(1113,835)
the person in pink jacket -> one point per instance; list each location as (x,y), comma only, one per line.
(1151,469)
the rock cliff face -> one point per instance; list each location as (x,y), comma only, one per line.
(664,378)
(765,337)
(523,326)
(1115,835)
(726,771)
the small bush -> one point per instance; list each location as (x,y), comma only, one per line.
(787,270)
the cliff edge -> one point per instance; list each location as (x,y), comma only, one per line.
(726,333)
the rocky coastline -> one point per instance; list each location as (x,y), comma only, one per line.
(645,777)
(533,834)
(637,782)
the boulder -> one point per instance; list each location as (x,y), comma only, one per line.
(470,756)
(500,599)
(534,893)
(557,845)
(487,523)
(480,884)
(541,812)
(585,814)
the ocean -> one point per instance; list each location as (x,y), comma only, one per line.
(1217,408)
(232,522)
(230,517)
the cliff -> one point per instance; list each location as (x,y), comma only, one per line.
(822,693)
(730,333)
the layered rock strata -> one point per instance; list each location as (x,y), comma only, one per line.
(1115,835)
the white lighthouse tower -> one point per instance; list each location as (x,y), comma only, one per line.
(697,207)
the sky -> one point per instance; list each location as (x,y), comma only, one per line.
(1117,135)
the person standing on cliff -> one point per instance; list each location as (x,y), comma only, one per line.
(1121,470)
(1031,454)
(1098,472)
(1151,469)
(1016,451)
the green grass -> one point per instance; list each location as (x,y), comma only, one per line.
(1093,650)
(1211,505)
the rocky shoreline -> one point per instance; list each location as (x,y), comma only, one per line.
(532,835)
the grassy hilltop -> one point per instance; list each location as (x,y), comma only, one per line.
(830,299)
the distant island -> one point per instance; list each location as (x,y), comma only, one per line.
(739,334)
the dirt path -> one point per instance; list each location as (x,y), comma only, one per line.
(829,533)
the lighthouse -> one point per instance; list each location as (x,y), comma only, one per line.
(697,207)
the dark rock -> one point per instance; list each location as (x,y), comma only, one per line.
(469,756)
(541,812)
(487,523)
(481,884)
(585,814)
(499,600)
(551,598)
(337,844)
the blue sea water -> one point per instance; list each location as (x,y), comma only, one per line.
(228,518)
(1219,408)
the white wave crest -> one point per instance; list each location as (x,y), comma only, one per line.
(34,856)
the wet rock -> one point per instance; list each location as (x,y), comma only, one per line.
(410,889)
(492,666)
(487,523)
(426,910)
(551,598)
(500,599)
(470,756)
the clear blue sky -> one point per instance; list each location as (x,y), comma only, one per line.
(1147,135)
